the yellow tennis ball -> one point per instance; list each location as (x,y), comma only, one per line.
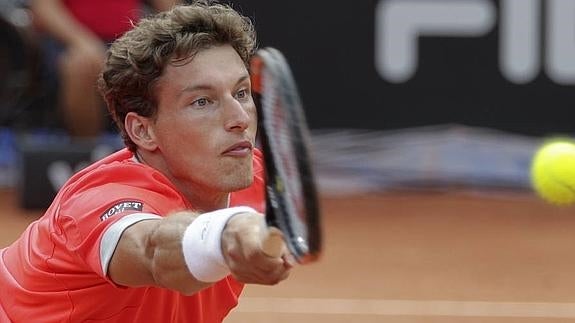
(553,172)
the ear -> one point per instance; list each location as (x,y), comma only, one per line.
(140,131)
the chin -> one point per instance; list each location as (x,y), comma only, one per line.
(237,183)
(236,178)
(241,184)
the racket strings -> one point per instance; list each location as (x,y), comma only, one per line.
(291,188)
(283,145)
(278,123)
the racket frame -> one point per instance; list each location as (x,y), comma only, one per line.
(305,246)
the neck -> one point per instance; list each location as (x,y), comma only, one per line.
(202,199)
(207,203)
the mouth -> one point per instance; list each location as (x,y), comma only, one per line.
(239,149)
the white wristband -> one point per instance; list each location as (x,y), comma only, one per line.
(202,247)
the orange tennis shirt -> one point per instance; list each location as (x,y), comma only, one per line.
(56,271)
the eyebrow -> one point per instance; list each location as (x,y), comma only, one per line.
(199,87)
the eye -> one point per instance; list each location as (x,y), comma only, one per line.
(201,102)
(242,94)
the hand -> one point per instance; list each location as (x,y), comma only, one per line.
(242,248)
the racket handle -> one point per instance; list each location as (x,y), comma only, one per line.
(273,244)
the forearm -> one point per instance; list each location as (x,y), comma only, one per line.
(163,5)
(56,20)
(150,254)
(167,264)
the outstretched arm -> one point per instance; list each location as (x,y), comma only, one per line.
(151,253)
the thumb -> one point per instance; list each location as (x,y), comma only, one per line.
(273,243)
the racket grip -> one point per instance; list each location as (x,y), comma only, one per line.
(273,243)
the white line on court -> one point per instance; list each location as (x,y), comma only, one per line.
(405,307)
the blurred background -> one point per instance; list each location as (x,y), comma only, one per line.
(422,92)
(425,116)
(397,92)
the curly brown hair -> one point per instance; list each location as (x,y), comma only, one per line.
(136,60)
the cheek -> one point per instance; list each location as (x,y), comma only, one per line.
(252,112)
(189,153)
(179,135)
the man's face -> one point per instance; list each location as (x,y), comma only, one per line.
(206,123)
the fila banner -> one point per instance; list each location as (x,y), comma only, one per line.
(384,64)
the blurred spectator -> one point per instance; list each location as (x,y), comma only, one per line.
(74,35)
(18,60)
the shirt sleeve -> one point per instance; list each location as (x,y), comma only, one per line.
(93,221)
(112,235)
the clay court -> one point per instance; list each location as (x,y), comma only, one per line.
(418,256)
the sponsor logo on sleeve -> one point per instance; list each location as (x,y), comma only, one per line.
(122,207)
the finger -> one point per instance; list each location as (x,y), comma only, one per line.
(273,244)
(289,260)
(265,277)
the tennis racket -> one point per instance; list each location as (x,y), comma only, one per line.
(291,197)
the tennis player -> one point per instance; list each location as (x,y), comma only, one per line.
(170,228)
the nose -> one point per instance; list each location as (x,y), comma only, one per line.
(237,116)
